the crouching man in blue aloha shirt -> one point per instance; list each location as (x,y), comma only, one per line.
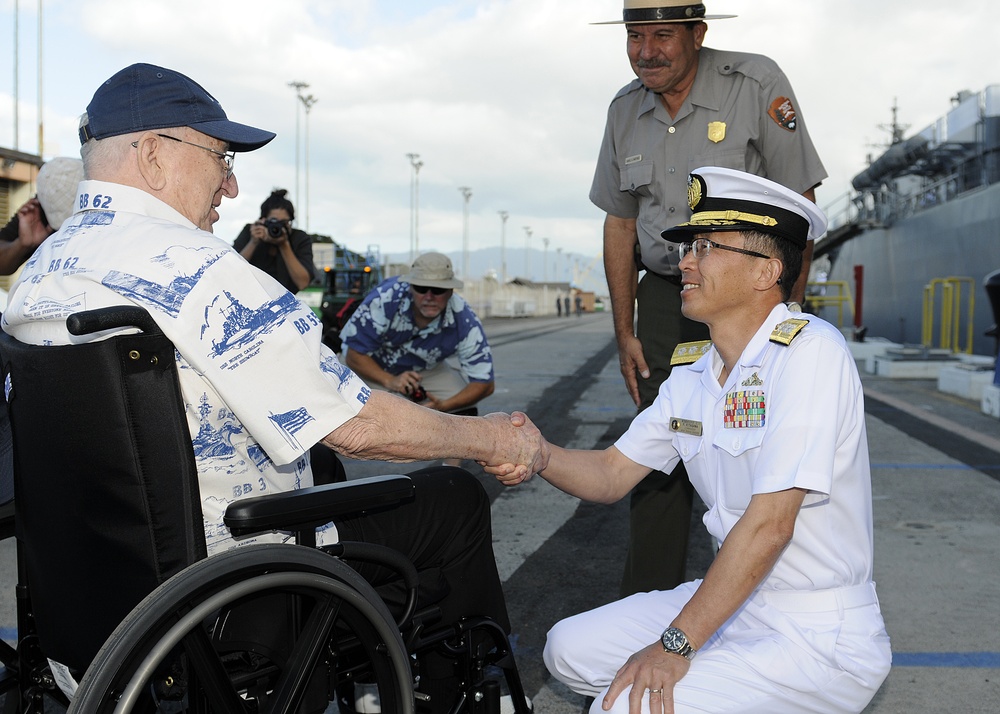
(769,420)
(401,335)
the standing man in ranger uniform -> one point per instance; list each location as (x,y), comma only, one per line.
(690,106)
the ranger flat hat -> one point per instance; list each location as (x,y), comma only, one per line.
(729,200)
(432,270)
(144,97)
(656,12)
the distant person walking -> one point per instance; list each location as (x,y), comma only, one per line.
(558,306)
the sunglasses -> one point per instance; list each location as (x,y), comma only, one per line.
(422,289)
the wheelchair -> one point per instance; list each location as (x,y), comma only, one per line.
(114,582)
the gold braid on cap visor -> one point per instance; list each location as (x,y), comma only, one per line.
(725,218)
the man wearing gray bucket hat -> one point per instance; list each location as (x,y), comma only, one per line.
(401,335)
(689,106)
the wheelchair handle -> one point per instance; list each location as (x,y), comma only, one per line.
(109,318)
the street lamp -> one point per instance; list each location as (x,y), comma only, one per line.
(545,261)
(298,87)
(308,103)
(466,194)
(527,245)
(503,246)
(416,163)
(558,256)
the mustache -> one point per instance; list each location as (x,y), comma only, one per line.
(652,63)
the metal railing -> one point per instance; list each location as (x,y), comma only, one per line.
(951,313)
(822,298)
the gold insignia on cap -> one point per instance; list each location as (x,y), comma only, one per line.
(785,332)
(689,352)
(695,191)
(716,131)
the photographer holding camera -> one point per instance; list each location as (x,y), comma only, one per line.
(408,326)
(271,244)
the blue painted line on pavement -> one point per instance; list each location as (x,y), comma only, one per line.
(8,633)
(990,660)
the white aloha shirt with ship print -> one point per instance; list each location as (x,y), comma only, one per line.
(258,385)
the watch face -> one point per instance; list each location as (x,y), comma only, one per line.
(673,639)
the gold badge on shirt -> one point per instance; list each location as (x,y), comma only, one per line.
(716,131)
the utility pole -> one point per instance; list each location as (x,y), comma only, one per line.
(298,87)
(527,246)
(416,163)
(503,246)
(466,194)
(308,103)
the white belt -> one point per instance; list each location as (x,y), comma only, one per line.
(819,600)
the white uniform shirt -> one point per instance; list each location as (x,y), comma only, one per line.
(259,387)
(787,417)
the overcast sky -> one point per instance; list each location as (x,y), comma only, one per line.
(507,97)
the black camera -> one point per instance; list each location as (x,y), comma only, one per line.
(275,227)
(418,394)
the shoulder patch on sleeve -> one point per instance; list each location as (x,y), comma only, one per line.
(689,352)
(785,332)
(782,111)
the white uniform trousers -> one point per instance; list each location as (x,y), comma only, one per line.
(823,651)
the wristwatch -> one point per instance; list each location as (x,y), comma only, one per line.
(676,642)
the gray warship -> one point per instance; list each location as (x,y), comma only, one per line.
(923,214)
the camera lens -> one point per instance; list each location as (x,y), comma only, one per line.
(275,227)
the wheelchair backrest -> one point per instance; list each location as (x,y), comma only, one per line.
(105,482)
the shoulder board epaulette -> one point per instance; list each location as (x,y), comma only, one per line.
(689,352)
(785,332)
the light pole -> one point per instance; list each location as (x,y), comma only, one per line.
(558,256)
(466,194)
(416,163)
(308,103)
(545,261)
(503,246)
(527,245)
(298,87)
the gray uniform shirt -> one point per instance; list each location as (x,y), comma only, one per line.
(740,114)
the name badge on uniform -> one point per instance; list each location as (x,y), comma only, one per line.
(716,131)
(685,426)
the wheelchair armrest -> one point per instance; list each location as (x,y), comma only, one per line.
(308,508)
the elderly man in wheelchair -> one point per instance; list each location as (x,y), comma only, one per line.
(164,397)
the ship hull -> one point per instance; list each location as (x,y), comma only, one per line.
(960,238)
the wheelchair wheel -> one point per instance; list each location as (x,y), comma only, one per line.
(198,642)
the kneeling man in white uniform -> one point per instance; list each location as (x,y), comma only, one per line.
(769,420)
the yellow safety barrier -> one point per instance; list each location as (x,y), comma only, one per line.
(951,313)
(841,298)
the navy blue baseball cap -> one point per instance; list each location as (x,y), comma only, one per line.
(145,97)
